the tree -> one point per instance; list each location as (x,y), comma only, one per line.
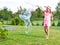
(57,14)
(37,14)
(5,13)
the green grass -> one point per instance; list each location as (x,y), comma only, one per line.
(35,37)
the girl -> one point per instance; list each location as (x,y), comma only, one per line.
(47,20)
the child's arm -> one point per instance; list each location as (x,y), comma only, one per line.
(51,16)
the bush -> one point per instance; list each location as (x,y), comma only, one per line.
(42,23)
(3,33)
(58,23)
(0,23)
(53,24)
(21,22)
(33,24)
(37,24)
(13,22)
(9,22)
(17,21)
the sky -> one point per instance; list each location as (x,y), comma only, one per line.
(28,4)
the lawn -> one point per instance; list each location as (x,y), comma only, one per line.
(35,37)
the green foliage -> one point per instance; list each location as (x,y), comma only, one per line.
(37,14)
(17,21)
(13,22)
(53,24)
(5,14)
(33,24)
(58,23)
(57,14)
(37,24)
(0,23)
(21,22)
(3,33)
(42,23)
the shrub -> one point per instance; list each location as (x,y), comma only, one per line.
(37,24)
(16,21)
(13,22)
(21,22)
(0,23)
(32,24)
(53,24)
(58,23)
(3,33)
(42,23)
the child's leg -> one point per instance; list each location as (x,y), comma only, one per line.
(48,30)
(45,29)
(47,34)
(28,26)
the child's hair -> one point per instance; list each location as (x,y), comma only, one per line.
(49,9)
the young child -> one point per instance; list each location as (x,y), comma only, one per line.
(25,15)
(47,20)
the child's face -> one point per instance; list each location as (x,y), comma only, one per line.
(48,10)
